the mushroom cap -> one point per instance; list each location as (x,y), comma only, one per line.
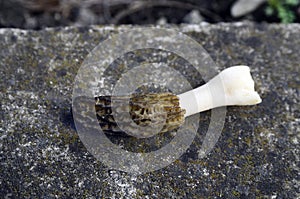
(139,115)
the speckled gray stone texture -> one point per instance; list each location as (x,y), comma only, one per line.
(41,155)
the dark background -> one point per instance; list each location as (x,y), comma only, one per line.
(37,14)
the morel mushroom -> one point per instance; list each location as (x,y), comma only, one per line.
(152,113)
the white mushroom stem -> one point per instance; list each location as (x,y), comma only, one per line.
(232,86)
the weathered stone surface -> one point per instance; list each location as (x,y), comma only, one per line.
(41,155)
